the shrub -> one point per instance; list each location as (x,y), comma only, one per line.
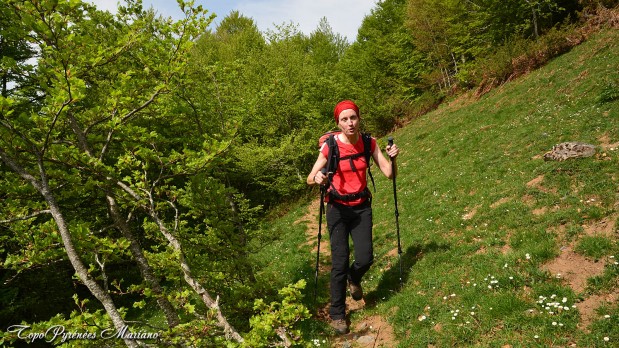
(610,92)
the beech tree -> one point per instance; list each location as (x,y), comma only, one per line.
(382,68)
(95,156)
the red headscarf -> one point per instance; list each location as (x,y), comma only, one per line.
(344,105)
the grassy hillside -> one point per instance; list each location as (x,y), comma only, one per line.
(500,247)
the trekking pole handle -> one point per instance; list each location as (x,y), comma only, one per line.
(390,141)
(324,172)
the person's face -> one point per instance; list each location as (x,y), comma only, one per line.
(348,122)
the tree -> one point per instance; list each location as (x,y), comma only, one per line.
(453,34)
(278,88)
(14,52)
(382,69)
(96,143)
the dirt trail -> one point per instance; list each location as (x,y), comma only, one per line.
(368,331)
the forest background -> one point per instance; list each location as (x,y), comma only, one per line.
(140,156)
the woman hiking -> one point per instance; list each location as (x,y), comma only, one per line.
(349,210)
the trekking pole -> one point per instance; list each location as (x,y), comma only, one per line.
(322,208)
(397,214)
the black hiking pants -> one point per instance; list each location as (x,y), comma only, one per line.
(344,221)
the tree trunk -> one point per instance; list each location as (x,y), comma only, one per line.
(143,265)
(82,272)
(134,246)
(229,331)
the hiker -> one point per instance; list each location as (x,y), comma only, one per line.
(349,211)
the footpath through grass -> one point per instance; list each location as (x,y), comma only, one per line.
(483,216)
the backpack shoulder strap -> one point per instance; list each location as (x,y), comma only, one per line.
(334,154)
(367,146)
(367,151)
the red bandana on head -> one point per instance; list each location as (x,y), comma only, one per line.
(344,105)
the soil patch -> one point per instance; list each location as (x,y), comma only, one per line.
(499,202)
(574,269)
(588,307)
(537,184)
(604,227)
(470,213)
(607,144)
(311,220)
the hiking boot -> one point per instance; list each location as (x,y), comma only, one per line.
(340,326)
(356,292)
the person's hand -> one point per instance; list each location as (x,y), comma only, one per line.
(320,178)
(392,150)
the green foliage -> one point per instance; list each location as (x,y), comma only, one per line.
(197,333)
(382,69)
(276,321)
(610,92)
(276,94)
(455,34)
(99,148)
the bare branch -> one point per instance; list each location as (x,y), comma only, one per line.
(27,217)
(81,136)
(109,138)
(176,215)
(281,332)
(51,127)
(127,189)
(229,330)
(101,264)
(133,112)
(20,170)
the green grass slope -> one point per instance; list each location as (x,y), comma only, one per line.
(484,219)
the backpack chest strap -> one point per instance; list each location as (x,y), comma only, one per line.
(350,158)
